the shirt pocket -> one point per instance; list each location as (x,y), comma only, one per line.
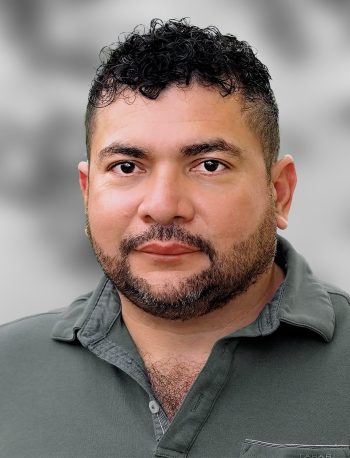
(257,449)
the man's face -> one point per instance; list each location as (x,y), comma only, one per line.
(180,209)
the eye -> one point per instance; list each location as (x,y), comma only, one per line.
(125,168)
(210,166)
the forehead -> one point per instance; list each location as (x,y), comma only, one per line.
(179,116)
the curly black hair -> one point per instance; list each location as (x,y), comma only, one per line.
(177,53)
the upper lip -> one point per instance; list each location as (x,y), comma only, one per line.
(167,248)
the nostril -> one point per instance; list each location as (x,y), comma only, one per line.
(165,199)
(166,213)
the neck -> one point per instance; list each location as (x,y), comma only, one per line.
(192,340)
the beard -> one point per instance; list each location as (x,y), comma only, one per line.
(228,276)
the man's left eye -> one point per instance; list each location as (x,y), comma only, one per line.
(127,167)
(211,165)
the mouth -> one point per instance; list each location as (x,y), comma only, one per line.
(167,249)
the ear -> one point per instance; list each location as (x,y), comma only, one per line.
(284,180)
(83,168)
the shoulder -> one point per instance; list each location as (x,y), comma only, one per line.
(337,294)
(27,342)
(38,326)
(30,325)
(28,348)
(340,303)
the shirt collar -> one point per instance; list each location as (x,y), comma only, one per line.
(79,313)
(302,301)
(306,302)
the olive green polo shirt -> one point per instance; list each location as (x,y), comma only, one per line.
(73,385)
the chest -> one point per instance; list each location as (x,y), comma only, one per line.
(171,379)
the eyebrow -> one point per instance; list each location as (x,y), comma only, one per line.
(187,150)
(211,146)
(119,148)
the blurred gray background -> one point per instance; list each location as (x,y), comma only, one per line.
(49,53)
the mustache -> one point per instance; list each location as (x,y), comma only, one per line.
(164,234)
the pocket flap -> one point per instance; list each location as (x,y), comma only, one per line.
(257,449)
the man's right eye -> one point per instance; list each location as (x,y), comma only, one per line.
(124,168)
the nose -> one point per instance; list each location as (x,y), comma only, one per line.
(166,199)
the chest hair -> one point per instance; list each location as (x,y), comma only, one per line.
(171,380)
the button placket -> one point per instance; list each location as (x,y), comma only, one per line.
(159,418)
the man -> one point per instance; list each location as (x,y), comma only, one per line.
(208,335)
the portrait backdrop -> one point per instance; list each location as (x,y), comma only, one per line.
(49,54)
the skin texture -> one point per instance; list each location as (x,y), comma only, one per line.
(139,178)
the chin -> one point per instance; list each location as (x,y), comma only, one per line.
(162,285)
(160,281)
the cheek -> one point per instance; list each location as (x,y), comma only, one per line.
(110,216)
(236,215)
